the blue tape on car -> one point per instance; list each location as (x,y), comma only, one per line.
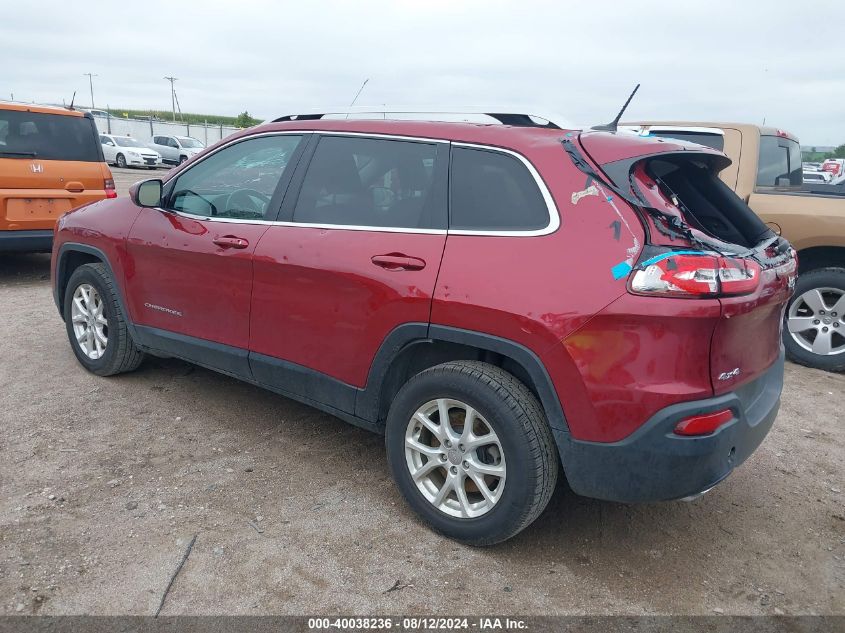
(621,270)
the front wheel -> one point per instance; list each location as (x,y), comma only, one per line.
(120,161)
(182,159)
(471,451)
(96,326)
(814,324)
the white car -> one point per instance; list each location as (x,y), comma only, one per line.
(125,151)
(817,176)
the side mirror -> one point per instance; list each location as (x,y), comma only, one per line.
(146,193)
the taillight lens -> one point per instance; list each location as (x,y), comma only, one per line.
(690,275)
(703,424)
(108,185)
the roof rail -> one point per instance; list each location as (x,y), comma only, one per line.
(503,116)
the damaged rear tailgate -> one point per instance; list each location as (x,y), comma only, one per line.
(691,217)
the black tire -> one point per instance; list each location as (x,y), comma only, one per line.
(820,278)
(120,161)
(182,159)
(120,354)
(515,415)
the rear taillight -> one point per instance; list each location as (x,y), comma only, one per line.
(691,275)
(108,185)
(703,424)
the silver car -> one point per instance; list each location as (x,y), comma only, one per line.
(175,150)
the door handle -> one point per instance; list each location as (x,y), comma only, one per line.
(398,261)
(74,186)
(230,241)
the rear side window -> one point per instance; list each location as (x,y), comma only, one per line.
(493,191)
(355,181)
(780,163)
(48,137)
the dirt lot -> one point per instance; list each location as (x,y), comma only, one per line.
(103,483)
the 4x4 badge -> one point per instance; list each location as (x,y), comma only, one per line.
(727,375)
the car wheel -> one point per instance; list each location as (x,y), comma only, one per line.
(814,323)
(182,159)
(96,326)
(120,161)
(470,449)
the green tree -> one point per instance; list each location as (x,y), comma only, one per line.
(245,120)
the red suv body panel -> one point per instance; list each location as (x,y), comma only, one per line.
(319,300)
(313,298)
(182,281)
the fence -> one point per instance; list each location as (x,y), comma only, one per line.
(144,130)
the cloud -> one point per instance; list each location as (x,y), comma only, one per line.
(716,60)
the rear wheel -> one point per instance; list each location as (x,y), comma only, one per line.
(120,161)
(96,326)
(814,327)
(471,451)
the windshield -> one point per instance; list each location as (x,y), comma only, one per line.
(128,142)
(780,163)
(48,136)
(189,142)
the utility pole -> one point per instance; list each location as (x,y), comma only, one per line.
(172,95)
(91,86)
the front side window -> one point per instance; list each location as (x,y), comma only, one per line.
(236,182)
(780,163)
(493,191)
(370,182)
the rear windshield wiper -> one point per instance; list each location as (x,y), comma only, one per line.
(21,154)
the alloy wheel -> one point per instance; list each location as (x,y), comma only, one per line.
(90,326)
(816,321)
(455,458)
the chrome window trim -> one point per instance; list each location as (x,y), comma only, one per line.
(551,207)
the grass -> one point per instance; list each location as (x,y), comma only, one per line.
(184,117)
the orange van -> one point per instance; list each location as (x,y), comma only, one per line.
(50,162)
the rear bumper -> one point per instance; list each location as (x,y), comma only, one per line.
(26,241)
(654,464)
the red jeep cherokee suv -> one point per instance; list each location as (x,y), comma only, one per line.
(500,301)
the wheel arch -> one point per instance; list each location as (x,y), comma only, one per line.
(70,257)
(816,257)
(414,347)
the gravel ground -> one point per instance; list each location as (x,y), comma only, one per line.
(105,481)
